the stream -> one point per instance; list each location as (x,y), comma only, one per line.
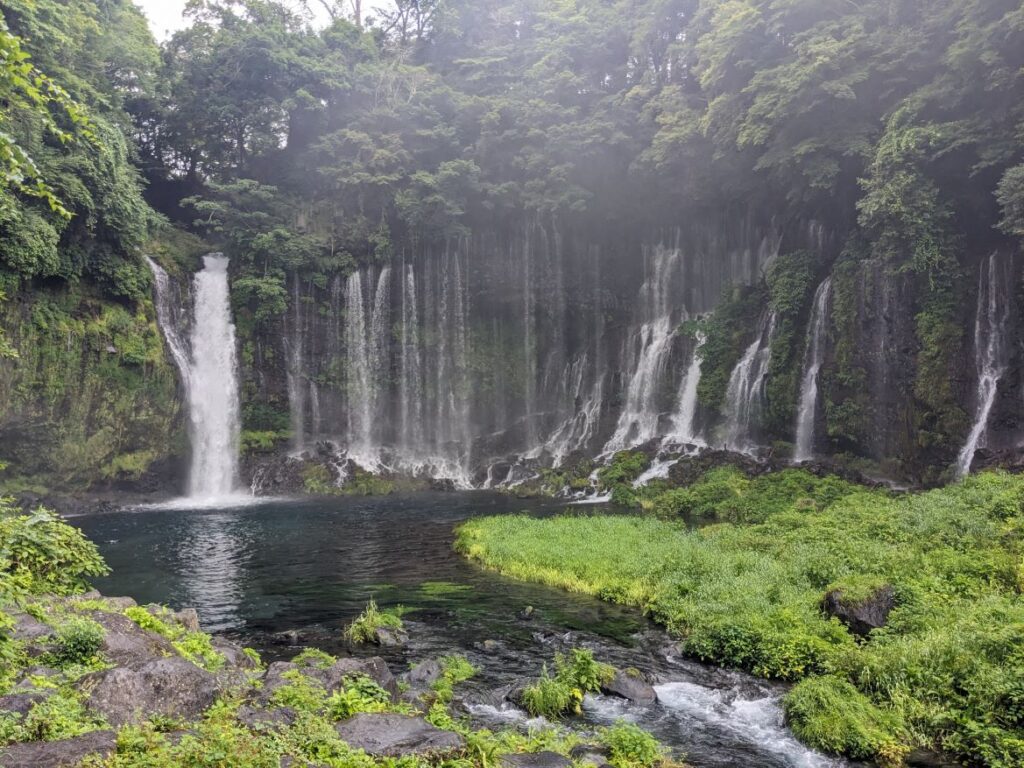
(283,575)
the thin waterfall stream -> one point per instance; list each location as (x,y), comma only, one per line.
(807,411)
(990,353)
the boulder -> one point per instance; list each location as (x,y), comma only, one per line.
(172,687)
(590,753)
(234,655)
(861,616)
(389,735)
(120,603)
(59,754)
(265,719)
(534,760)
(21,703)
(423,675)
(386,637)
(631,686)
(126,642)
(188,618)
(28,628)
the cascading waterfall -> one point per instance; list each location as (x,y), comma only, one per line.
(684,418)
(209,372)
(358,371)
(640,415)
(411,383)
(745,393)
(295,370)
(807,412)
(990,354)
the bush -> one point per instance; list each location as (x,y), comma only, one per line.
(358,694)
(575,676)
(40,553)
(78,641)
(629,746)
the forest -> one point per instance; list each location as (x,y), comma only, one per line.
(314,304)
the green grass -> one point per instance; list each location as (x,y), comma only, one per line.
(364,628)
(946,672)
(576,675)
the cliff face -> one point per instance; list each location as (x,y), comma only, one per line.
(90,400)
(524,345)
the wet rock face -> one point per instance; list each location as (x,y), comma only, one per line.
(59,754)
(864,615)
(631,686)
(125,642)
(172,687)
(388,735)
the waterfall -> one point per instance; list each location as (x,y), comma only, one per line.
(169,320)
(807,412)
(683,429)
(358,373)
(380,349)
(638,421)
(411,383)
(209,371)
(296,370)
(745,393)
(990,353)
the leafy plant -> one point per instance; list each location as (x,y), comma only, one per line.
(364,628)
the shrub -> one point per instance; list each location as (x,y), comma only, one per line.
(575,675)
(358,694)
(78,641)
(629,746)
(40,553)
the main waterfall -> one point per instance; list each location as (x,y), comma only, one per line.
(990,353)
(209,372)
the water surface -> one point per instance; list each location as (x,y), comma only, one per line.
(261,573)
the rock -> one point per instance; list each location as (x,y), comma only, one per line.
(389,735)
(631,686)
(535,760)
(265,719)
(443,485)
(386,637)
(289,637)
(423,675)
(126,642)
(234,655)
(28,628)
(527,613)
(120,603)
(488,646)
(21,703)
(861,616)
(59,754)
(172,687)
(590,753)
(188,618)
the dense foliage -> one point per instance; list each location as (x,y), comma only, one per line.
(748,591)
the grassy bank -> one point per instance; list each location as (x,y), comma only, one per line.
(947,670)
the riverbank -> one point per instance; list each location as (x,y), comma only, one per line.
(899,617)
